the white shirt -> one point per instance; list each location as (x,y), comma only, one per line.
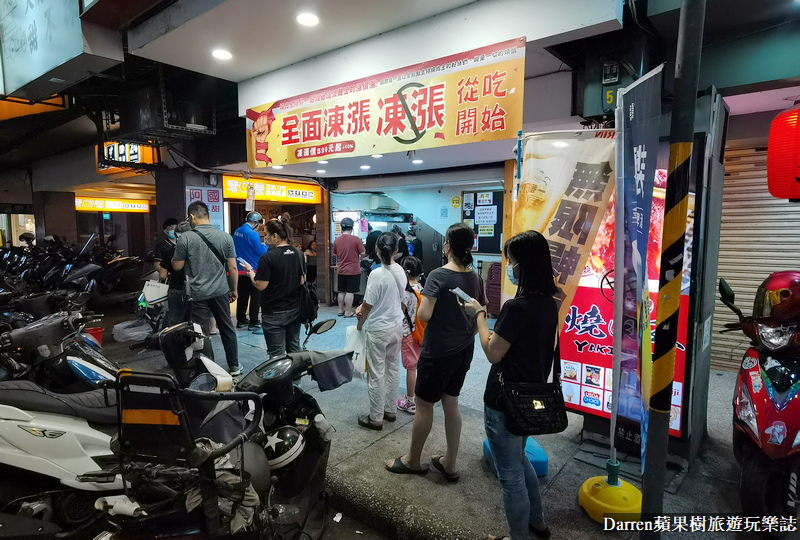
(385,288)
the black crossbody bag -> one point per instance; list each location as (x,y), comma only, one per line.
(535,408)
(216,253)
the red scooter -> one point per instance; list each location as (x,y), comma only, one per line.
(766,415)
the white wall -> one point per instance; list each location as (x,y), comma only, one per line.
(475,25)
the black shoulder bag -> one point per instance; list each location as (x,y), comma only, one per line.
(535,408)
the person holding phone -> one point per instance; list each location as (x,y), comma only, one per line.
(521,348)
(446,353)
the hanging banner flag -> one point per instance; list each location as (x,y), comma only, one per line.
(566,181)
(641,112)
(467,97)
(213,199)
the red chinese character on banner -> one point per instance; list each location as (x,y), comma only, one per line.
(468,90)
(195,194)
(358,116)
(393,119)
(492,82)
(467,121)
(312,125)
(428,106)
(334,123)
(215,208)
(213,195)
(494,119)
(290,133)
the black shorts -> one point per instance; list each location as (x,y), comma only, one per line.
(349,284)
(442,375)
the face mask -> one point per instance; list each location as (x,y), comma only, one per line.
(172,234)
(510,274)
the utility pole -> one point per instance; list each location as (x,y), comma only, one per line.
(687,68)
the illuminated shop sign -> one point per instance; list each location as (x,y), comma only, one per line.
(86,204)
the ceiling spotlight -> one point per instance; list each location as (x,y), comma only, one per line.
(277,166)
(221,54)
(322,162)
(365,167)
(416,161)
(321,171)
(308,19)
(560,144)
(377,156)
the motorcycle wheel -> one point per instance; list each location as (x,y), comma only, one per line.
(763,487)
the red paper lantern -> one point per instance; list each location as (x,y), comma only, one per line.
(783,155)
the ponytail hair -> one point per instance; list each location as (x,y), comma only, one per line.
(461,238)
(386,247)
(282,226)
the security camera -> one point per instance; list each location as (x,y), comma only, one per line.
(440,191)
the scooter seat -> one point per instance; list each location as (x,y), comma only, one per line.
(91,406)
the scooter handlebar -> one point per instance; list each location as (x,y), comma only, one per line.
(231,396)
(140,345)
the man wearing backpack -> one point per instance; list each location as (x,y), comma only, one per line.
(206,255)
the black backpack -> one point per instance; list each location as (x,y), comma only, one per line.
(309,303)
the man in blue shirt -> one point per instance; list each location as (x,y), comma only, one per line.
(248,246)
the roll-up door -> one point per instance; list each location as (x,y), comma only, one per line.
(759,235)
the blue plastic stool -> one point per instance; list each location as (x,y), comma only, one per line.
(536,455)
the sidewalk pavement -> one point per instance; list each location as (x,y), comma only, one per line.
(416,507)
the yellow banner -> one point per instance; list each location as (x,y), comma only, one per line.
(566,182)
(265,189)
(86,204)
(469,97)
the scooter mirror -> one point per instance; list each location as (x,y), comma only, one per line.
(81,298)
(725,292)
(727,297)
(322,326)
(205,382)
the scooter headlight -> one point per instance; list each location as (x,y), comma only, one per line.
(775,337)
(747,412)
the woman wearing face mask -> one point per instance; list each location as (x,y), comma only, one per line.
(281,271)
(521,348)
(164,250)
(446,353)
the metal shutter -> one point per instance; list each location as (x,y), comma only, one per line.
(758,236)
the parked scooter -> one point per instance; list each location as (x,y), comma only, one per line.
(73,439)
(766,413)
(277,485)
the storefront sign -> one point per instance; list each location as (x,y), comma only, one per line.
(213,199)
(125,152)
(468,97)
(235,187)
(567,180)
(588,330)
(84,204)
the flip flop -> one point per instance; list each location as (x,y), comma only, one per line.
(436,461)
(398,467)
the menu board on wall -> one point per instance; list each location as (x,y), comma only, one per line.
(483,211)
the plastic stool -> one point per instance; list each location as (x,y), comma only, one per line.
(536,455)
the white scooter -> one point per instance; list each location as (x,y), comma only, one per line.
(54,448)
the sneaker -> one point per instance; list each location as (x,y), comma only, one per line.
(257,330)
(236,371)
(407,404)
(253,327)
(241,325)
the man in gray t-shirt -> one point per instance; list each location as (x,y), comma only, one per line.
(206,254)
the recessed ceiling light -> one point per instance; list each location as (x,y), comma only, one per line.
(321,171)
(308,19)
(377,155)
(277,166)
(365,167)
(221,54)
(322,162)
(560,144)
(416,161)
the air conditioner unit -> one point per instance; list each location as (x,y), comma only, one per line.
(381,202)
